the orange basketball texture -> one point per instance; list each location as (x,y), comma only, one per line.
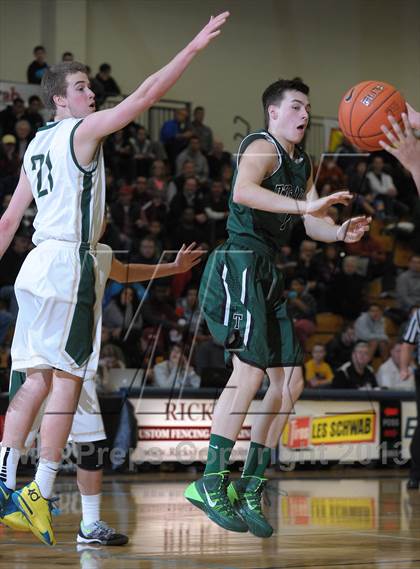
(364,108)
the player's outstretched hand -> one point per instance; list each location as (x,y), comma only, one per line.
(210,31)
(353,229)
(403,144)
(320,206)
(188,257)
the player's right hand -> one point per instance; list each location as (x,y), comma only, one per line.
(188,257)
(402,144)
(320,206)
(210,31)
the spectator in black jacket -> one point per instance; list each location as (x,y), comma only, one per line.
(187,230)
(340,348)
(38,67)
(216,207)
(356,373)
(189,197)
(306,267)
(124,212)
(10,265)
(10,115)
(218,158)
(24,136)
(345,294)
(147,253)
(32,114)
(357,178)
(188,171)
(108,83)
(97,87)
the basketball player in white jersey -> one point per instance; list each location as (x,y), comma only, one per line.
(87,430)
(55,338)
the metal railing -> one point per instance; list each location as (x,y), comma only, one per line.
(154,117)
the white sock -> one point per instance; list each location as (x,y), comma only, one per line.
(91,506)
(9,459)
(45,476)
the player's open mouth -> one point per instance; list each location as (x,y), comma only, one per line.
(92,106)
(301,127)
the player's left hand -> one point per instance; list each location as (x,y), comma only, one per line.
(353,229)
(403,144)
(188,257)
(210,31)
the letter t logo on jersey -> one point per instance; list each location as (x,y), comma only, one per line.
(237,317)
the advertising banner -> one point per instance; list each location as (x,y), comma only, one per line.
(344,431)
(178,430)
(409,424)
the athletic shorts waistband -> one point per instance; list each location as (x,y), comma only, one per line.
(247,242)
(74,245)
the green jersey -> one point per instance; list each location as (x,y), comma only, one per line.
(270,230)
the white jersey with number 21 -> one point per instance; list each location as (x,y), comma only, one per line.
(70,198)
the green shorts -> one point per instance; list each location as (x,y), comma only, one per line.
(241,296)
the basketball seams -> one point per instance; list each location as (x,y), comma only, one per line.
(355,96)
(375,110)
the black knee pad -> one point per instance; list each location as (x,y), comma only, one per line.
(90,456)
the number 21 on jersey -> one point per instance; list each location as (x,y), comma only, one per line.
(39,162)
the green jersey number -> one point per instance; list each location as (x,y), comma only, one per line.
(37,164)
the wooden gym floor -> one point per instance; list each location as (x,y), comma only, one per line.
(361,521)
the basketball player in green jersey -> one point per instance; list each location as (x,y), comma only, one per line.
(241,296)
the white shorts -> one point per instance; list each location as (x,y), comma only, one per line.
(59,292)
(87,424)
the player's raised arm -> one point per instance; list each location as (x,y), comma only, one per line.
(404,145)
(259,162)
(10,220)
(100,124)
(186,258)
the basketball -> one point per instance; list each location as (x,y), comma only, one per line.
(364,108)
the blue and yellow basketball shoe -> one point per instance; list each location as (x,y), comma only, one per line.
(37,511)
(10,515)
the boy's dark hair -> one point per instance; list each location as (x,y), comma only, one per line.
(38,48)
(54,80)
(104,68)
(274,93)
(33,98)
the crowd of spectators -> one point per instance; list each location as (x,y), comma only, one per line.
(174,190)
